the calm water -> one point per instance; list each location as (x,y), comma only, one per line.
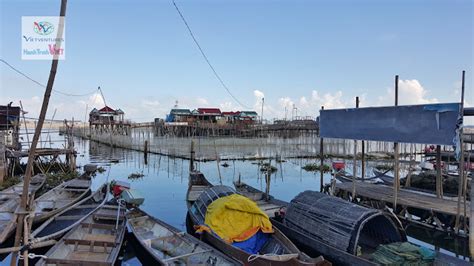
(165,180)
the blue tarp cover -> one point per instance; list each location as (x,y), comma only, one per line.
(429,123)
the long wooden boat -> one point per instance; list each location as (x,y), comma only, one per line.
(60,198)
(387,179)
(10,199)
(314,247)
(196,185)
(95,241)
(271,206)
(166,245)
(278,250)
(344,176)
(56,226)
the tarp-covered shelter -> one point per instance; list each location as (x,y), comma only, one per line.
(341,224)
(428,123)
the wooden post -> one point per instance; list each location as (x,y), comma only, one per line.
(29,167)
(191,157)
(461,161)
(396,183)
(267,180)
(439,177)
(217,162)
(145,151)
(321,157)
(354,167)
(362,160)
(471,223)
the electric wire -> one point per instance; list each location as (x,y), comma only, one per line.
(206,58)
(42,85)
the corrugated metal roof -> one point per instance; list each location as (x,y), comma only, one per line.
(231,113)
(177,111)
(209,111)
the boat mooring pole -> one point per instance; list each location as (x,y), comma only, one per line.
(461,163)
(471,223)
(362,160)
(354,167)
(191,157)
(439,177)
(24,208)
(321,156)
(396,183)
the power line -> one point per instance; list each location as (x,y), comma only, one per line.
(205,57)
(42,85)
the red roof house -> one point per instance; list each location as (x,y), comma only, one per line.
(209,111)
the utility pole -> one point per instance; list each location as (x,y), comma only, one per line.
(261,117)
(24,208)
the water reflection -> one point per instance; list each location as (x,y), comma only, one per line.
(165,180)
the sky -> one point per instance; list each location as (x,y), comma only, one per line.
(305,54)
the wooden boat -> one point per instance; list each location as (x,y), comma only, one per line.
(344,176)
(267,203)
(60,198)
(309,245)
(59,224)
(10,199)
(278,250)
(314,247)
(95,241)
(387,179)
(196,185)
(168,246)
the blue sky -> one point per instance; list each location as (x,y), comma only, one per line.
(307,53)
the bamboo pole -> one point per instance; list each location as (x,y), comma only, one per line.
(471,223)
(191,157)
(354,166)
(321,157)
(362,160)
(24,208)
(24,121)
(267,180)
(396,183)
(439,180)
(461,161)
(217,162)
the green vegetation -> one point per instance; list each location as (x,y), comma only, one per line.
(54,179)
(10,181)
(134,176)
(267,167)
(101,169)
(312,167)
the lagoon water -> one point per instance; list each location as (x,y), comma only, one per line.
(165,181)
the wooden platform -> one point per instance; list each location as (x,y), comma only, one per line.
(407,198)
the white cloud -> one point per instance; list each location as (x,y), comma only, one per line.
(202,101)
(409,92)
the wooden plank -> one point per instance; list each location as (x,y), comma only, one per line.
(101,243)
(405,197)
(99,226)
(100,238)
(74,262)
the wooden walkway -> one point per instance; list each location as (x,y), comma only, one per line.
(406,197)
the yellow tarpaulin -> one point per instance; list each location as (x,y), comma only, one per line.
(235,218)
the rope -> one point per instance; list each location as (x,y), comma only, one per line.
(32,256)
